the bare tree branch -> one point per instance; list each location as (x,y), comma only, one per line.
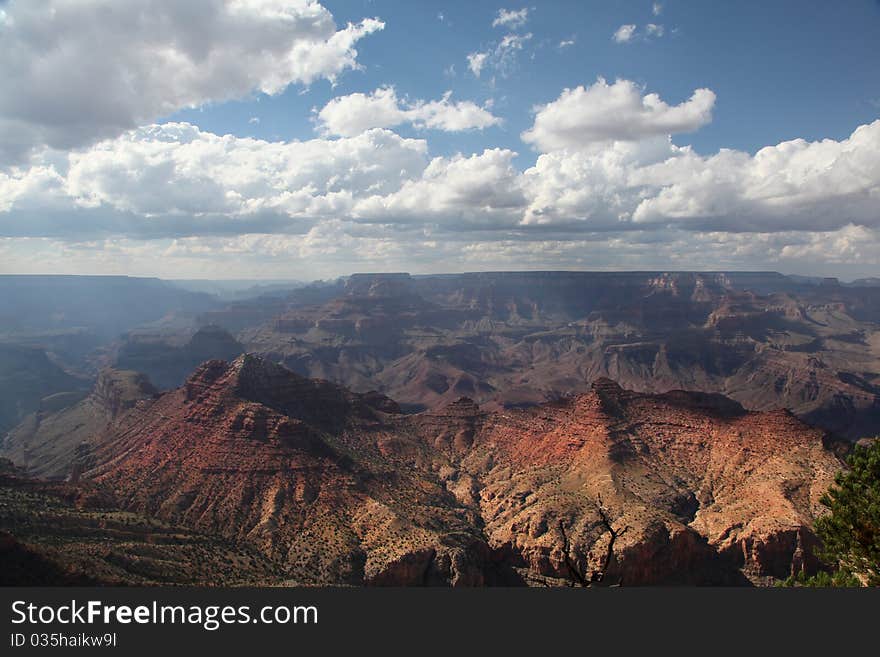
(576,575)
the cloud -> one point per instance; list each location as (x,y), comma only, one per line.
(580,190)
(794,185)
(501,56)
(651,183)
(583,116)
(75,73)
(476,61)
(624,33)
(481,190)
(174,179)
(598,194)
(847,245)
(90,181)
(511,18)
(513,42)
(657,8)
(352,114)
(565,43)
(337,246)
(629,33)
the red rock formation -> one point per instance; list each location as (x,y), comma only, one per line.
(608,487)
(675,481)
(256,453)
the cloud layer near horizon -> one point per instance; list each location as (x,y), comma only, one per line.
(595,180)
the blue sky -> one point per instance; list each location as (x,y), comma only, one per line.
(305,139)
(781,70)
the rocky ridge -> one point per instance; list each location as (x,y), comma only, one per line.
(607,487)
(512,338)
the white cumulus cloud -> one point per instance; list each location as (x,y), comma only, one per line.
(77,72)
(583,116)
(352,114)
(174,179)
(608,186)
(482,189)
(822,185)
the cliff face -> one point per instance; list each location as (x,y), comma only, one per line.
(116,391)
(608,487)
(511,338)
(615,486)
(168,365)
(58,445)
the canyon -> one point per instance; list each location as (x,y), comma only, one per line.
(511,339)
(609,487)
(510,428)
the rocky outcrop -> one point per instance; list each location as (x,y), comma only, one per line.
(609,487)
(619,487)
(58,445)
(252,452)
(116,391)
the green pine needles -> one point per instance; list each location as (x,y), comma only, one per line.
(850,533)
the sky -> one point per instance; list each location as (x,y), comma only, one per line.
(237,139)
